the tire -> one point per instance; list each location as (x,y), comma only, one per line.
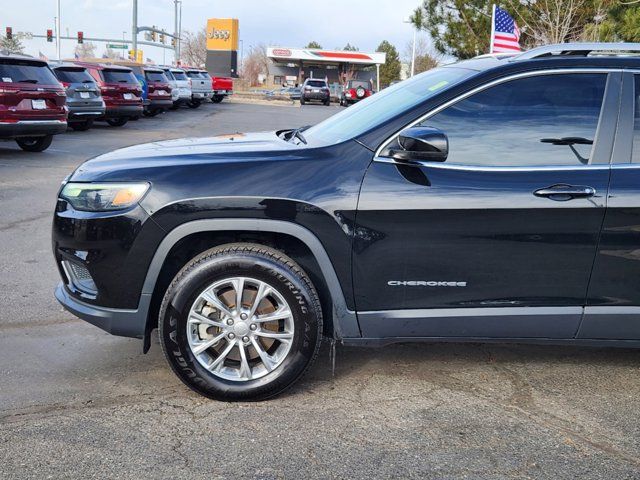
(35,144)
(117,122)
(81,126)
(302,102)
(211,272)
(151,113)
(327,102)
(194,103)
(217,98)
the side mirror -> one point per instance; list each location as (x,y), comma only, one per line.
(422,143)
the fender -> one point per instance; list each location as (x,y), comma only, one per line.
(345,321)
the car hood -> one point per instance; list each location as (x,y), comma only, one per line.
(237,147)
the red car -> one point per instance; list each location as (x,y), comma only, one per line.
(355,90)
(32,103)
(158,91)
(121,92)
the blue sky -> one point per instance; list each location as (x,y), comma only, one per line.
(292,23)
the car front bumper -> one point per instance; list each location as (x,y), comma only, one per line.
(32,128)
(125,323)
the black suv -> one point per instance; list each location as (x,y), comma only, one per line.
(497,199)
(314,89)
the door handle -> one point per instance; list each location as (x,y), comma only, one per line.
(563,192)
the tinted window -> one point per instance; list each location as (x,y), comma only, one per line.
(359,84)
(636,128)
(73,75)
(156,77)
(544,120)
(383,106)
(27,72)
(179,75)
(316,83)
(205,75)
(118,76)
(194,75)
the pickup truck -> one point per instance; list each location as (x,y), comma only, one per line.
(222,87)
(491,200)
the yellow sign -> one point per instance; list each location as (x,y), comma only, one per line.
(222,34)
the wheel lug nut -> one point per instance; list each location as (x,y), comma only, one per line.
(230,321)
(245,339)
(243,316)
(232,336)
(253,326)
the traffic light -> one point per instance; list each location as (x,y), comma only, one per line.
(162,37)
(80,37)
(9,34)
(173,42)
(132,54)
(49,35)
(154,35)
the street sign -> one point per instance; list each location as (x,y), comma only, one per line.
(117,46)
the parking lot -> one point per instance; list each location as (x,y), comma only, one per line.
(75,401)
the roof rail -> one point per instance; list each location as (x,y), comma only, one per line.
(579,49)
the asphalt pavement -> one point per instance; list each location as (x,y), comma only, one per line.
(76,402)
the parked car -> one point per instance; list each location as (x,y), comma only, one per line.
(222,87)
(180,85)
(158,91)
(314,89)
(283,93)
(84,99)
(496,199)
(32,102)
(184,86)
(355,90)
(201,88)
(121,92)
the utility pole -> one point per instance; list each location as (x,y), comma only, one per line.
(134,28)
(176,52)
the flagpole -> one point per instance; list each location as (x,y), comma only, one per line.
(493,28)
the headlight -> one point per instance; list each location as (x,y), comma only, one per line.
(103,197)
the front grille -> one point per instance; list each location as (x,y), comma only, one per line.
(79,278)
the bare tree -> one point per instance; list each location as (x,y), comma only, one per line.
(85,50)
(553,21)
(426,56)
(193,48)
(111,53)
(256,63)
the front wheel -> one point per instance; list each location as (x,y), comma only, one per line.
(194,103)
(302,102)
(117,122)
(240,322)
(35,144)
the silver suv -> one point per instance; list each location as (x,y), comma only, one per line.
(84,99)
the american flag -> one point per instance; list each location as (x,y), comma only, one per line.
(506,34)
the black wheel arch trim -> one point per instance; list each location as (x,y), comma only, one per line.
(345,322)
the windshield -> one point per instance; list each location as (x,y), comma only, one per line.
(152,76)
(17,71)
(118,76)
(179,75)
(358,84)
(383,106)
(73,75)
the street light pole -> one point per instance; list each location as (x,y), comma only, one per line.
(413,50)
(134,28)
(58,33)
(175,31)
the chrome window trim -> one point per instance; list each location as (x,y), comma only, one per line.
(534,73)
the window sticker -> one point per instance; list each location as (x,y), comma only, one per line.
(438,86)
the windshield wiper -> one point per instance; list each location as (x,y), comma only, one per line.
(28,80)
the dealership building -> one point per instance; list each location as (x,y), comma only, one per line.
(293,65)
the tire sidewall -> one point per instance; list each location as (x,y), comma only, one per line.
(193,281)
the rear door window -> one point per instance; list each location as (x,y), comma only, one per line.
(17,71)
(73,75)
(169,75)
(180,76)
(205,75)
(118,76)
(316,83)
(194,75)
(156,77)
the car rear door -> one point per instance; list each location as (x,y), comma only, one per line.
(613,302)
(499,240)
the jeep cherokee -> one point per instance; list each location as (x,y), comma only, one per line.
(494,199)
